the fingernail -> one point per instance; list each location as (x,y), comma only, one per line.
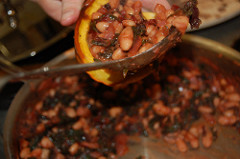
(67,16)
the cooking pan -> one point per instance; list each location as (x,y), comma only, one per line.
(226,146)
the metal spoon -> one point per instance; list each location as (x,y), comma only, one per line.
(130,63)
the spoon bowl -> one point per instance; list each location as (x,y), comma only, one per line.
(133,63)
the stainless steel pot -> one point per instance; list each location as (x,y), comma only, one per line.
(226,146)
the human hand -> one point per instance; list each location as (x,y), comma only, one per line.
(64,11)
(67,11)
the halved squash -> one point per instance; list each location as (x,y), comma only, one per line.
(83,54)
(163,22)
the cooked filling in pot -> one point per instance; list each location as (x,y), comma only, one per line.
(76,117)
(119,28)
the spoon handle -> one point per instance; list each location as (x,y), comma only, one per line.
(47,71)
(17,74)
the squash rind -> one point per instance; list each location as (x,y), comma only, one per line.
(83,54)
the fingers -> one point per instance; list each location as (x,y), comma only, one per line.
(150,4)
(70,11)
(52,8)
(67,11)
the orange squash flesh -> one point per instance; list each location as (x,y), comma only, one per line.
(83,54)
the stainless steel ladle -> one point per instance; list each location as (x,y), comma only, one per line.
(130,63)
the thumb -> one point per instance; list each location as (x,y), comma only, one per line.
(70,11)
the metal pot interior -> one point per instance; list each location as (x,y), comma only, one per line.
(193,47)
